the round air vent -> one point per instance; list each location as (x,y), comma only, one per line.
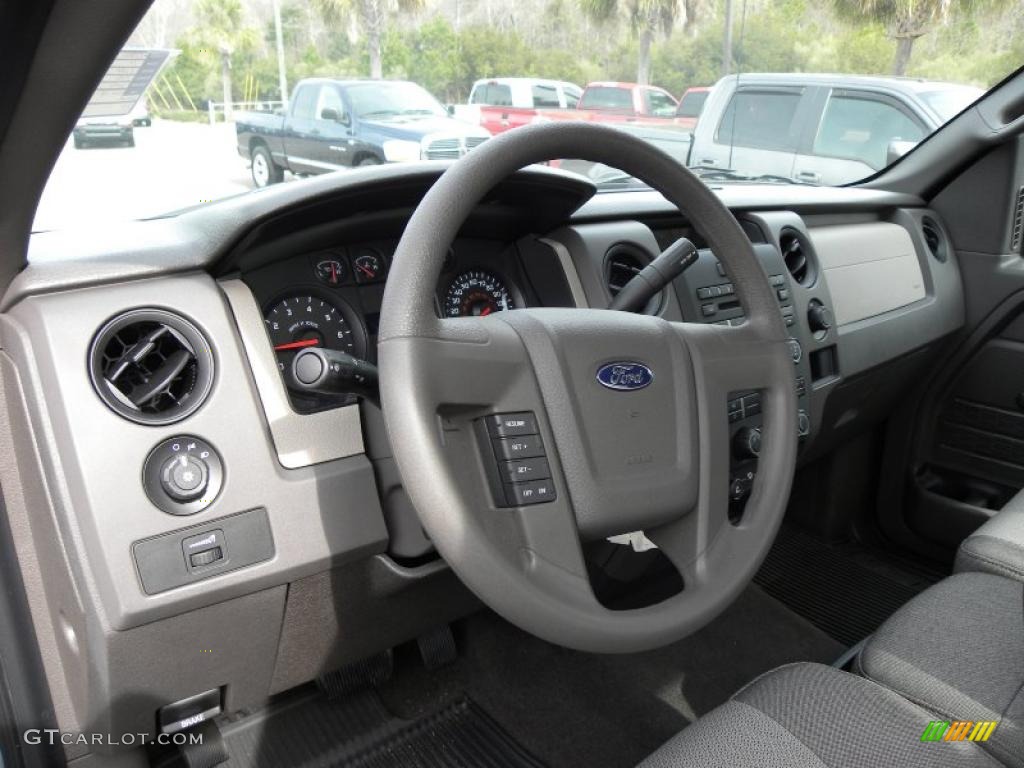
(933,239)
(151,366)
(622,262)
(796,252)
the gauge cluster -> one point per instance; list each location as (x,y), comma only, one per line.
(476,293)
(331,298)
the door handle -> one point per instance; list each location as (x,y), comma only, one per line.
(809,176)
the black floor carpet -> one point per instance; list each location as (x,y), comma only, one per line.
(311,731)
(575,709)
(511,700)
(846,590)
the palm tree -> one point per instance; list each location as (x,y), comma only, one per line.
(906,20)
(370,16)
(648,18)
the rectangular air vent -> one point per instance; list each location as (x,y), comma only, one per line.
(1018,221)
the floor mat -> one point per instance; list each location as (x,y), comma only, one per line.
(607,711)
(847,590)
(311,731)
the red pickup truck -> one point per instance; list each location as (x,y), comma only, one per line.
(499,104)
(613,102)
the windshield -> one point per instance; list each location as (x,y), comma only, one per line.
(692,103)
(607,97)
(389,99)
(215,98)
(951,100)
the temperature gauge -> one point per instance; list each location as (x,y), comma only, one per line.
(369,266)
(331,271)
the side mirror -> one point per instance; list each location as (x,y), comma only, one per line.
(897,149)
(330,114)
(450,109)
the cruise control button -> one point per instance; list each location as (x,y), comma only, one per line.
(536,492)
(525,470)
(512,424)
(525,447)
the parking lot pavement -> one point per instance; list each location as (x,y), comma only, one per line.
(172,165)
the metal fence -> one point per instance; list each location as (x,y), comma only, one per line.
(228,109)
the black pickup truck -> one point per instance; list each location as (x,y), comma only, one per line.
(334,124)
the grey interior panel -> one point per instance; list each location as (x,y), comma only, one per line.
(300,439)
(872,268)
(318,514)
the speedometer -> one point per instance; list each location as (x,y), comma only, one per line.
(297,322)
(476,293)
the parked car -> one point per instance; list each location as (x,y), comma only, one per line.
(501,103)
(629,101)
(691,104)
(821,129)
(108,129)
(332,124)
(140,115)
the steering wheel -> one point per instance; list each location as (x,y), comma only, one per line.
(654,458)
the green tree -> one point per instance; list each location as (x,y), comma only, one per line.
(906,20)
(647,18)
(370,16)
(220,35)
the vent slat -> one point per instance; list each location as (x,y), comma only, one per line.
(933,239)
(794,254)
(1018,221)
(151,366)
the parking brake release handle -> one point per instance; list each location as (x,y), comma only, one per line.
(653,278)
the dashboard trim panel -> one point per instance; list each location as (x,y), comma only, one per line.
(871,268)
(299,439)
(572,277)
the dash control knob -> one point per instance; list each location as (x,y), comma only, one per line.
(803,423)
(183,475)
(819,317)
(795,351)
(746,444)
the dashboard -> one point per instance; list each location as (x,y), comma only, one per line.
(225,509)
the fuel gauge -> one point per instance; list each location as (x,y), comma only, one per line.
(369,266)
(331,271)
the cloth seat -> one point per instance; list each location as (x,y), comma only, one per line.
(813,716)
(957,649)
(997,546)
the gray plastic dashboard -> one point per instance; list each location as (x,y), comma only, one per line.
(324,481)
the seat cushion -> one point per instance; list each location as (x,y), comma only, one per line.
(997,546)
(957,649)
(812,716)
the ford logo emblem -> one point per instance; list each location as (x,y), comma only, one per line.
(624,375)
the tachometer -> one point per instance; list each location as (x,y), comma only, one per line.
(298,322)
(476,293)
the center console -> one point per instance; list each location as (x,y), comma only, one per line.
(707,295)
